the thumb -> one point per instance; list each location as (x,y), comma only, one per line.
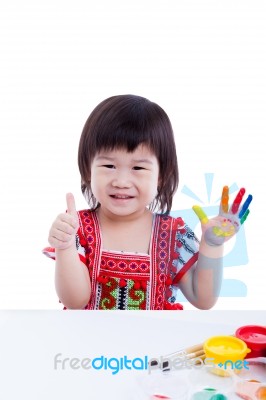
(71,206)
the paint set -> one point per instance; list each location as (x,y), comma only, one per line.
(221,368)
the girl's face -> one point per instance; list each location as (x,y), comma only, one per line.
(125,183)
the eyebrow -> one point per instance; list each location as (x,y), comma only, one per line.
(142,160)
(104,158)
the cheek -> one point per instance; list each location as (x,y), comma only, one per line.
(154,191)
(99,182)
(93,186)
(94,183)
(152,184)
(156,180)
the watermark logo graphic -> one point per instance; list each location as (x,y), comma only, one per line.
(177,363)
(238,254)
(239,364)
(118,364)
(113,364)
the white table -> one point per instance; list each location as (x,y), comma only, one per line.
(30,340)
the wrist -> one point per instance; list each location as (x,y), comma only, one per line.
(211,250)
(70,249)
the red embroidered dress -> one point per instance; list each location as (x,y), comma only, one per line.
(135,281)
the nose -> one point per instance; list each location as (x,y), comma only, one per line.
(121,180)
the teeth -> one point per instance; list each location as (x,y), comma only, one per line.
(121,197)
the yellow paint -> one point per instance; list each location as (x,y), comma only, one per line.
(200,214)
(224,348)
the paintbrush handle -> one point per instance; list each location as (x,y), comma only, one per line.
(184,352)
(201,357)
(194,348)
(193,360)
(196,354)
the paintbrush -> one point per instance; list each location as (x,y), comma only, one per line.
(188,353)
(185,352)
(192,358)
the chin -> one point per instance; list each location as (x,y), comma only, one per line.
(120,212)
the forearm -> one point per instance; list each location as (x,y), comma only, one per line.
(72,281)
(201,285)
(208,274)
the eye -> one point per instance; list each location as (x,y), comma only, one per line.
(109,166)
(138,168)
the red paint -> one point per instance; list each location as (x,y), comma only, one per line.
(255,338)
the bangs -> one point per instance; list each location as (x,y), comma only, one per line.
(125,127)
(126,137)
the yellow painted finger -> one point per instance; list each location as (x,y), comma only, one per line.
(200,214)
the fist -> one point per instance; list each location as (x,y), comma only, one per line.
(63,231)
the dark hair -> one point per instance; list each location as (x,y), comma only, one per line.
(126,121)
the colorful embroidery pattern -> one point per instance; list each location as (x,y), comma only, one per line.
(134,281)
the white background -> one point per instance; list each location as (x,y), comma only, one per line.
(204,62)
(35,337)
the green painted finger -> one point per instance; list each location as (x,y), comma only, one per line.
(243,219)
(200,214)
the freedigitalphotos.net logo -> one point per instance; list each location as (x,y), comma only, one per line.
(116,365)
(184,362)
(236,256)
(112,364)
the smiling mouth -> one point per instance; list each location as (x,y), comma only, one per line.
(121,197)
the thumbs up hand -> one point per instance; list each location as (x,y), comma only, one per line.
(63,231)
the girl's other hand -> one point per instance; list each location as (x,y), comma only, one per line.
(220,229)
(63,231)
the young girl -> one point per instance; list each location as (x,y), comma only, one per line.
(120,254)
